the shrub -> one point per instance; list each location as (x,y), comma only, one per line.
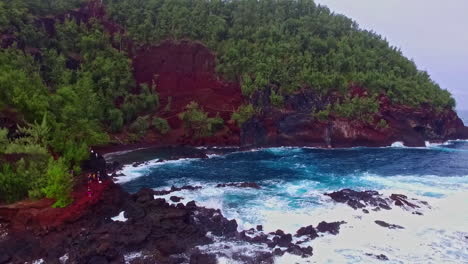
(243,113)
(140,125)
(59,183)
(13,187)
(129,110)
(382,124)
(360,108)
(161,125)
(148,99)
(322,115)
(197,123)
(116,120)
(276,99)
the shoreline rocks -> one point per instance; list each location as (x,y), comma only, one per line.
(365,199)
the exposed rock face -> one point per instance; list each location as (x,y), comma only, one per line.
(184,72)
(293,125)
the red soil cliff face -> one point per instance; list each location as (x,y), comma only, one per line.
(184,72)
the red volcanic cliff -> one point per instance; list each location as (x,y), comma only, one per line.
(184,72)
(293,125)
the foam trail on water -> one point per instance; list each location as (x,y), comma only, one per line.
(130,172)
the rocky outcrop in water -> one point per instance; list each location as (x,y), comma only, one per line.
(387,225)
(364,199)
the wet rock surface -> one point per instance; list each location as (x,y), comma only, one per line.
(387,225)
(332,228)
(379,257)
(160,232)
(358,200)
(376,201)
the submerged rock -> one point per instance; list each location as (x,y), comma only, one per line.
(379,257)
(402,200)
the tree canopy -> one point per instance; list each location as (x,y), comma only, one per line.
(291,44)
(72,86)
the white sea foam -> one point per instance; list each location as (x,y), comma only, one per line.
(439,235)
(64,259)
(120,217)
(131,256)
(228,250)
(398,144)
(111,155)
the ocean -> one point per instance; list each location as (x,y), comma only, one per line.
(293,185)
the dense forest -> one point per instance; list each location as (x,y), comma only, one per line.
(70,89)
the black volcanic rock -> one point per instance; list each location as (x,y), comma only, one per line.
(4,258)
(283,240)
(402,200)
(379,257)
(176,189)
(387,225)
(308,231)
(332,228)
(153,227)
(144,195)
(176,199)
(199,258)
(357,199)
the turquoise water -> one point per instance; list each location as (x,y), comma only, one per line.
(294,181)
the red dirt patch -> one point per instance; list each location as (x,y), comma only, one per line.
(39,214)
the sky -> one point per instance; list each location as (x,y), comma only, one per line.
(433,33)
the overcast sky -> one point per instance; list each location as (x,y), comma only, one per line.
(433,33)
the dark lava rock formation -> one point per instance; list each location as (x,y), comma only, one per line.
(294,125)
(363,199)
(151,230)
(387,225)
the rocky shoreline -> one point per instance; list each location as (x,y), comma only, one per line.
(118,227)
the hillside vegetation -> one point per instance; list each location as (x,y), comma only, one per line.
(70,88)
